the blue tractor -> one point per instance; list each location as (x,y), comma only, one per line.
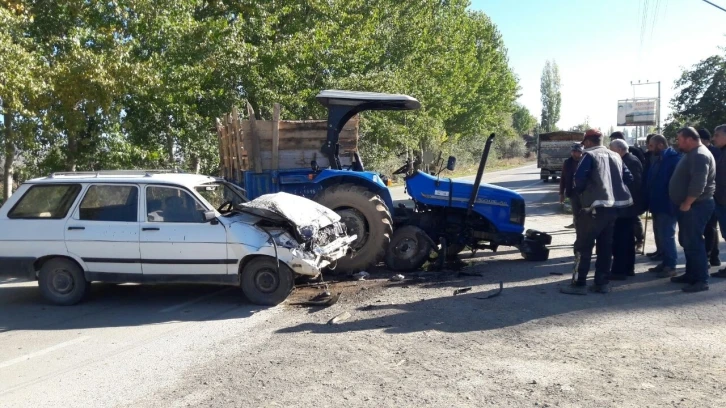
(447,217)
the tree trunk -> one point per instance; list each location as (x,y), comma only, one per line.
(196,163)
(170,149)
(9,157)
(72,154)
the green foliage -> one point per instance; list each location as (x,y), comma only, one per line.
(127,84)
(523,121)
(700,100)
(551,96)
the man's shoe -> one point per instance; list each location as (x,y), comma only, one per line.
(666,272)
(618,277)
(570,226)
(574,290)
(652,254)
(682,279)
(719,274)
(599,288)
(656,257)
(638,247)
(630,273)
(657,268)
(715,261)
(696,287)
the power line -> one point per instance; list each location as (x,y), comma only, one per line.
(715,5)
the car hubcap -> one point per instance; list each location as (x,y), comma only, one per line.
(406,248)
(62,281)
(266,280)
(355,223)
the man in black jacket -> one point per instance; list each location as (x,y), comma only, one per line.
(711,232)
(719,139)
(624,233)
(567,181)
(638,153)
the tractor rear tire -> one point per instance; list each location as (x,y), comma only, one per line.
(409,250)
(365,215)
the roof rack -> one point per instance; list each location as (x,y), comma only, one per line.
(101,173)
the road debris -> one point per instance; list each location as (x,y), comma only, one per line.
(397,278)
(340,318)
(557,273)
(495,294)
(461,290)
(323,299)
(362,275)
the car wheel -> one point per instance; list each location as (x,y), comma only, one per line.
(62,282)
(263,285)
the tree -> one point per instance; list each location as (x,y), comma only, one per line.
(523,121)
(583,127)
(700,98)
(551,96)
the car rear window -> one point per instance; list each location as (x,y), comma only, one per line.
(46,202)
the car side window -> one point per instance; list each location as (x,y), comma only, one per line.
(168,204)
(46,201)
(110,203)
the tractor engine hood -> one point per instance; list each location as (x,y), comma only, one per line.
(485,191)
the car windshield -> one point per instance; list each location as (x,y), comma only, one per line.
(218,194)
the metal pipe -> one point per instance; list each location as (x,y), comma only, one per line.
(479,173)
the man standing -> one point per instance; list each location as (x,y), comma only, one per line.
(650,158)
(567,181)
(659,203)
(638,153)
(624,231)
(710,234)
(691,188)
(719,139)
(600,181)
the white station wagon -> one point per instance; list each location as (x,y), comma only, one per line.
(70,229)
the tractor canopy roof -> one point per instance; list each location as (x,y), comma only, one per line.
(367,100)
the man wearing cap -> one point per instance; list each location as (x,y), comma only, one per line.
(638,153)
(624,231)
(567,181)
(710,234)
(600,182)
(719,140)
(691,188)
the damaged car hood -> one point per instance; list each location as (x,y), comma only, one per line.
(287,207)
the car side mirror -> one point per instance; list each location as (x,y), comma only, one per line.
(451,163)
(210,216)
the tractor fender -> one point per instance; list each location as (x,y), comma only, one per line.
(367,179)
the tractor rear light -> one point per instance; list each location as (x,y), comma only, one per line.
(516,211)
(311,176)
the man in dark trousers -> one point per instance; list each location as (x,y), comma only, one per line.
(638,153)
(567,181)
(719,139)
(691,188)
(624,231)
(710,234)
(651,158)
(658,202)
(600,182)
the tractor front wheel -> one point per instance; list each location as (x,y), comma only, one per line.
(409,250)
(366,216)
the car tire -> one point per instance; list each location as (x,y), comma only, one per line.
(62,282)
(263,285)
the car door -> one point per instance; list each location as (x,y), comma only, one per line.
(104,230)
(176,239)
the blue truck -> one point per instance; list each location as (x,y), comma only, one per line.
(447,217)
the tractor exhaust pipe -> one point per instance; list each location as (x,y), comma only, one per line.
(479,173)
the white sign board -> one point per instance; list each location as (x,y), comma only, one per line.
(640,112)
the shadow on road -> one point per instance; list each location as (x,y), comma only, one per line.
(111,305)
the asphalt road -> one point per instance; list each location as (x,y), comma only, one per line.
(126,341)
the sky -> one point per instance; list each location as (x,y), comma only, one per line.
(601,46)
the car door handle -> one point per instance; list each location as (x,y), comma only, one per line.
(150,229)
(76,228)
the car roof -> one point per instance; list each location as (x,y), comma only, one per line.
(127,176)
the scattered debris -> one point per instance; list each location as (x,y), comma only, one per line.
(465,273)
(397,278)
(340,318)
(495,294)
(557,273)
(362,275)
(461,290)
(323,299)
